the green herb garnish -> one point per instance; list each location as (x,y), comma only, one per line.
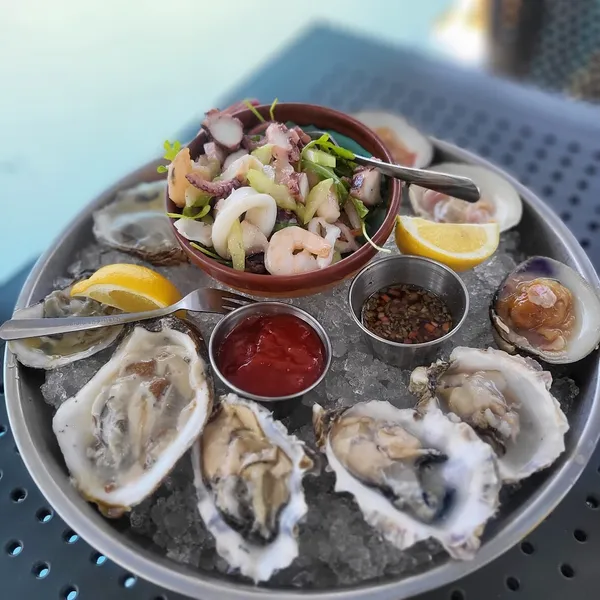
(171,151)
(254,111)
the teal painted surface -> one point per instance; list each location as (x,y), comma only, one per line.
(89,90)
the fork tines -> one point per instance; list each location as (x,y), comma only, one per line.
(235,299)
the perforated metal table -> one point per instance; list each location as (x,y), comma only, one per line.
(550,144)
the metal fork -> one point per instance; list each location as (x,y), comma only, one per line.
(452,185)
(203,300)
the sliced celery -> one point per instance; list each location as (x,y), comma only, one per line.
(361,209)
(315,198)
(280,193)
(263,153)
(319,157)
(235,245)
(327,173)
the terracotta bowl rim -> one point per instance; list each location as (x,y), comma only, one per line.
(330,274)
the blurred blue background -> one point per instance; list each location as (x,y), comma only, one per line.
(91,89)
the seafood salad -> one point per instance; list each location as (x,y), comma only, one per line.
(275,200)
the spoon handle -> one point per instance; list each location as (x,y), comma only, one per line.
(452,185)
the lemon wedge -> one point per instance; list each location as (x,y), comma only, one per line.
(130,288)
(460,246)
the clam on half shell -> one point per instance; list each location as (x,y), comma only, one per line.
(546,309)
(414,476)
(123,432)
(51,352)
(407,145)
(500,202)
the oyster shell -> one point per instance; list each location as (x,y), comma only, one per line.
(547,309)
(50,352)
(128,426)
(135,222)
(506,399)
(413,476)
(248,473)
(408,145)
(500,202)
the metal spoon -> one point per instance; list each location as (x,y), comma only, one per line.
(451,185)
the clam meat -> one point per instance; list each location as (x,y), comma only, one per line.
(127,427)
(135,222)
(500,202)
(547,309)
(505,399)
(248,473)
(53,351)
(414,476)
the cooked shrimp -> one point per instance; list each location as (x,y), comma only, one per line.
(280,257)
(178,169)
(330,208)
(330,233)
(260,209)
(253,238)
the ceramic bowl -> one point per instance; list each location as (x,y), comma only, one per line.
(276,286)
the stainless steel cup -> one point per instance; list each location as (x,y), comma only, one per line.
(229,321)
(426,273)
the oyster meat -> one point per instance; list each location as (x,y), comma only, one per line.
(51,352)
(135,222)
(414,476)
(128,426)
(547,309)
(248,473)
(500,202)
(505,399)
(407,145)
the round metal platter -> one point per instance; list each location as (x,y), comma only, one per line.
(542,233)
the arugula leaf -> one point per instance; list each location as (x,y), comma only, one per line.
(211,254)
(361,209)
(283,225)
(171,150)
(327,173)
(254,111)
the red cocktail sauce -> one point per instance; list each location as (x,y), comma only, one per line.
(272,355)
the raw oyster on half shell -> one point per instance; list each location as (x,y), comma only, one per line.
(135,222)
(414,476)
(123,432)
(545,308)
(248,473)
(53,351)
(505,399)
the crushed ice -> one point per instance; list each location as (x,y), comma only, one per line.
(337,547)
